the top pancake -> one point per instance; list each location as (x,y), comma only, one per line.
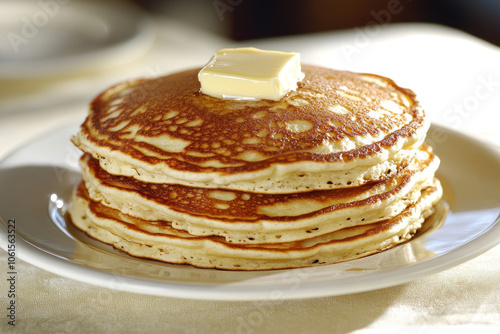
(343,128)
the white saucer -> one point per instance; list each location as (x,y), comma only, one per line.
(49,38)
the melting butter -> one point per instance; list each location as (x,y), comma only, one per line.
(250,74)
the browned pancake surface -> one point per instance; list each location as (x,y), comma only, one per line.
(329,106)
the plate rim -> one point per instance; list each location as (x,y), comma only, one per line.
(484,241)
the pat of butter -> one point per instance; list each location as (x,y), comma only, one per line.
(250,74)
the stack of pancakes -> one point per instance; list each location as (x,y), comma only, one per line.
(334,171)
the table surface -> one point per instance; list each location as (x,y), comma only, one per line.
(457,79)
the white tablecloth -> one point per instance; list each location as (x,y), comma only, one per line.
(457,79)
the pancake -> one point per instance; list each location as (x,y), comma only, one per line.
(243,217)
(338,129)
(333,171)
(131,235)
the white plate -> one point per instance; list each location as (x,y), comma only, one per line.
(30,176)
(47,38)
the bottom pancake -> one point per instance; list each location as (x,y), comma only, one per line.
(143,239)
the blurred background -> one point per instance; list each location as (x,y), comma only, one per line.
(250,19)
(41,38)
(56,55)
